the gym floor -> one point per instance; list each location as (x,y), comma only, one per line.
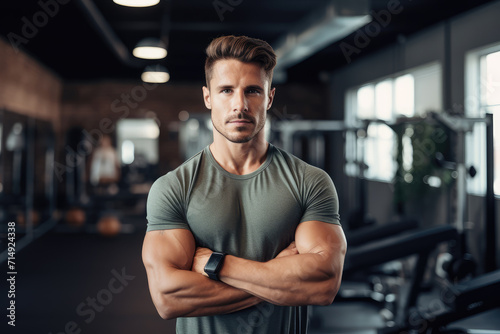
(71,281)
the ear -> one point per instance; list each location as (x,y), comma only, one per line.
(271,98)
(206,97)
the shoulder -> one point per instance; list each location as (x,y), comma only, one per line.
(189,166)
(307,171)
(186,168)
(293,162)
(178,178)
(317,193)
(168,197)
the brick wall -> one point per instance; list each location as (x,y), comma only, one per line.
(27,87)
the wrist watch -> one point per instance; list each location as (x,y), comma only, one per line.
(214,265)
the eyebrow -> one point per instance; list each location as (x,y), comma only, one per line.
(255,87)
(222,87)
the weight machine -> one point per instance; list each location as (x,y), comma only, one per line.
(27,197)
(461,126)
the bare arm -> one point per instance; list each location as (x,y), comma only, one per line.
(311,277)
(175,289)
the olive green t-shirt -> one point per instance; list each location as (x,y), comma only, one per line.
(252,216)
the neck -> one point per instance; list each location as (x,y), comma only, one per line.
(239,158)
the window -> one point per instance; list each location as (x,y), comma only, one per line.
(137,139)
(483,96)
(409,94)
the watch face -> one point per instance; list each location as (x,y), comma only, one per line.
(214,265)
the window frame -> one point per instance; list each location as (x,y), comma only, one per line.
(475,108)
(352,149)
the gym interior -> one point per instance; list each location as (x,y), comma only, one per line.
(397,100)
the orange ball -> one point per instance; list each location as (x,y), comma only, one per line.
(109,226)
(21,219)
(75,217)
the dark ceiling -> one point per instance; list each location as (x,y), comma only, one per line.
(63,36)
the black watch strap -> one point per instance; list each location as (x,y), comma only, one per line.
(214,265)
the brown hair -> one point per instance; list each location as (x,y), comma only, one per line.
(242,48)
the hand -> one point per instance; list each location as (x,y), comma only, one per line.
(290,250)
(200,259)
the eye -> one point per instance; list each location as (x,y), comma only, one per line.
(253,91)
(226,91)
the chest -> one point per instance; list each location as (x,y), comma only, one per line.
(253,218)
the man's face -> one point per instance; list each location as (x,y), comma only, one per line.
(239,98)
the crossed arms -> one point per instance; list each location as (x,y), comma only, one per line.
(307,272)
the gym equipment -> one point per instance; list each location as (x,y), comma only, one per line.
(462,261)
(194,133)
(371,233)
(376,285)
(420,242)
(288,128)
(460,301)
(25,197)
(75,163)
(16,143)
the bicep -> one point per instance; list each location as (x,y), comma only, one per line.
(324,239)
(168,249)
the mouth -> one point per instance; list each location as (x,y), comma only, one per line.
(239,121)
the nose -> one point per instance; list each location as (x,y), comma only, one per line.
(239,102)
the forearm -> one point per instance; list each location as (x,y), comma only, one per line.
(178,291)
(307,272)
(302,279)
(188,294)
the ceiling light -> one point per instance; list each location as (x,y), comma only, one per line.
(136,3)
(155,74)
(150,48)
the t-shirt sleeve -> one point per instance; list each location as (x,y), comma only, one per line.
(320,197)
(165,205)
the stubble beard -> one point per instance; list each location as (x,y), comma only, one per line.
(237,139)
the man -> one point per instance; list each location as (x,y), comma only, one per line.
(260,223)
